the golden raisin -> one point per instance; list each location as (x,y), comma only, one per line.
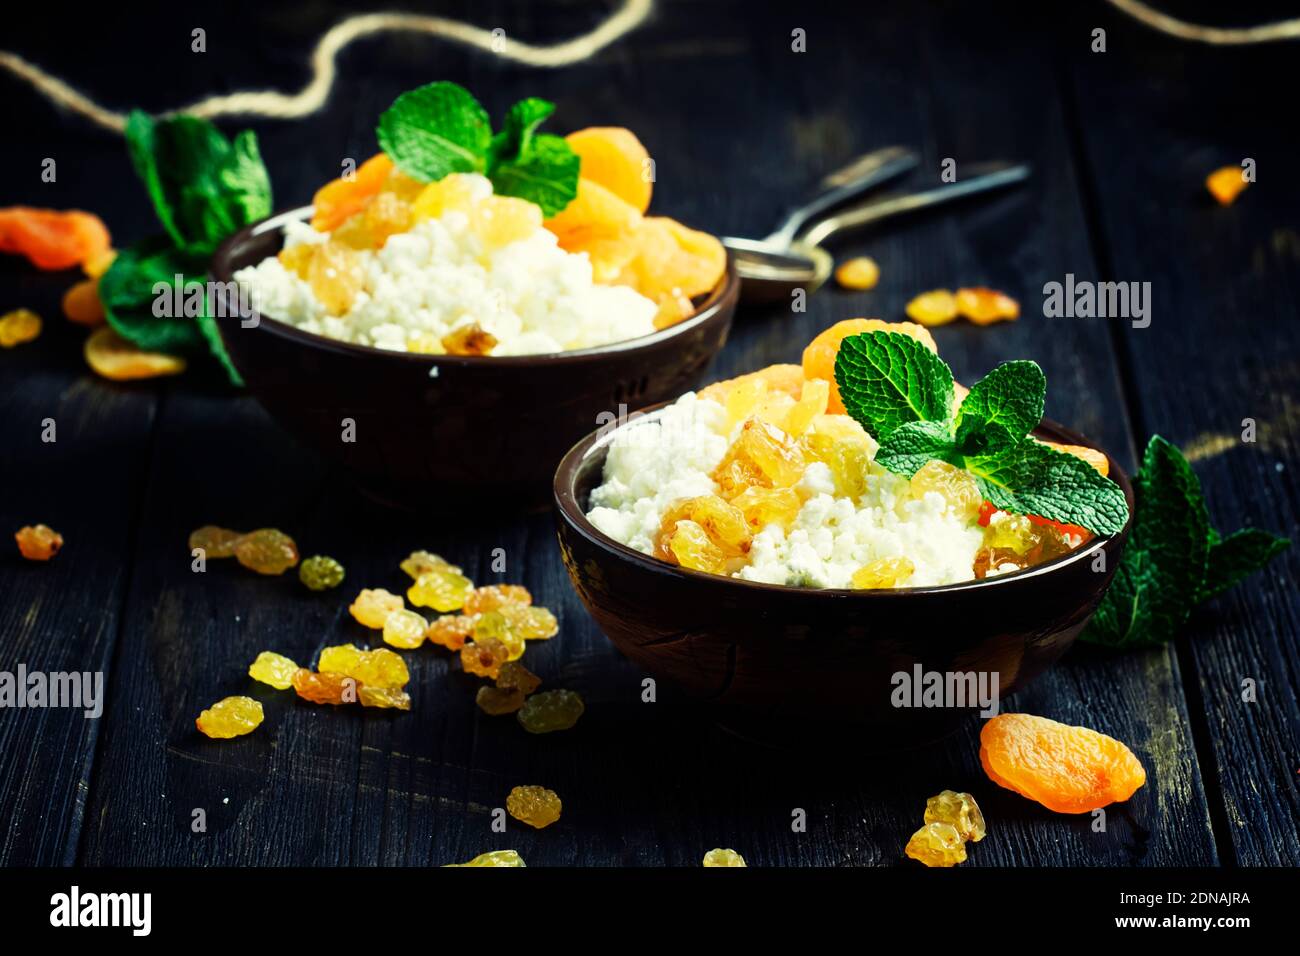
(536,806)
(214,542)
(986,306)
(721,857)
(18,327)
(230,717)
(1226,184)
(373,605)
(442,589)
(484,658)
(266,551)
(38,542)
(933,308)
(491,597)
(959,810)
(451,630)
(274,669)
(858,273)
(471,339)
(937,844)
(324,688)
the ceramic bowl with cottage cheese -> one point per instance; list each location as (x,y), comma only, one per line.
(432,430)
(444,337)
(742,542)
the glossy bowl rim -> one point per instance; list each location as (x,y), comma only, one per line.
(720,302)
(566,503)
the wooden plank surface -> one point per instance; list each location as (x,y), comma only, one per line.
(643,784)
(87,483)
(1223,346)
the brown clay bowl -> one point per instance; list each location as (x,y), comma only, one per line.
(435,430)
(783,663)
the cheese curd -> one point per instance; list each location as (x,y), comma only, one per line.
(445,274)
(654,463)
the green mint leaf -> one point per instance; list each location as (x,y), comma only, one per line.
(546,175)
(130,291)
(203,187)
(1238,556)
(887,379)
(1002,408)
(516,136)
(1164,566)
(908,447)
(1032,479)
(435,130)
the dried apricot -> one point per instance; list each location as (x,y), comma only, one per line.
(115,358)
(594,211)
(1066,769)
(52,238)
(339,199)
(819,356)
(933,308)
(986,306)
(81,303)
(613,157)
(1226,184)
(858,274)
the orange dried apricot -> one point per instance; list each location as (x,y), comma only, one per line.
(933,308)
(1226,184)
(595,211)
(81,303)
(778,378)
(985,306)
(341,198)
(52,238)
(700,261)
(1066,769)
(819,356)
(613,157)
(114,357)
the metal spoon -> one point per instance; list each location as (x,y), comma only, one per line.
(768,259)
(771,270)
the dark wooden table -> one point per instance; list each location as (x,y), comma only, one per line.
(740,126)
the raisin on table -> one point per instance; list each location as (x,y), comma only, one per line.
(536,806)
(230,717)
(550,711)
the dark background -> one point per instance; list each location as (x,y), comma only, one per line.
(739,126)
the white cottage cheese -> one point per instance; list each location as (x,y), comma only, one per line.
(651,464)
(533,296)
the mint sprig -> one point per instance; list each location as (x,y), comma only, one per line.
(440,128)
(902,394)
(203,187)
(1174,559)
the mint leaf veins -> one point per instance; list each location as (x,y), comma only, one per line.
(902,393)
